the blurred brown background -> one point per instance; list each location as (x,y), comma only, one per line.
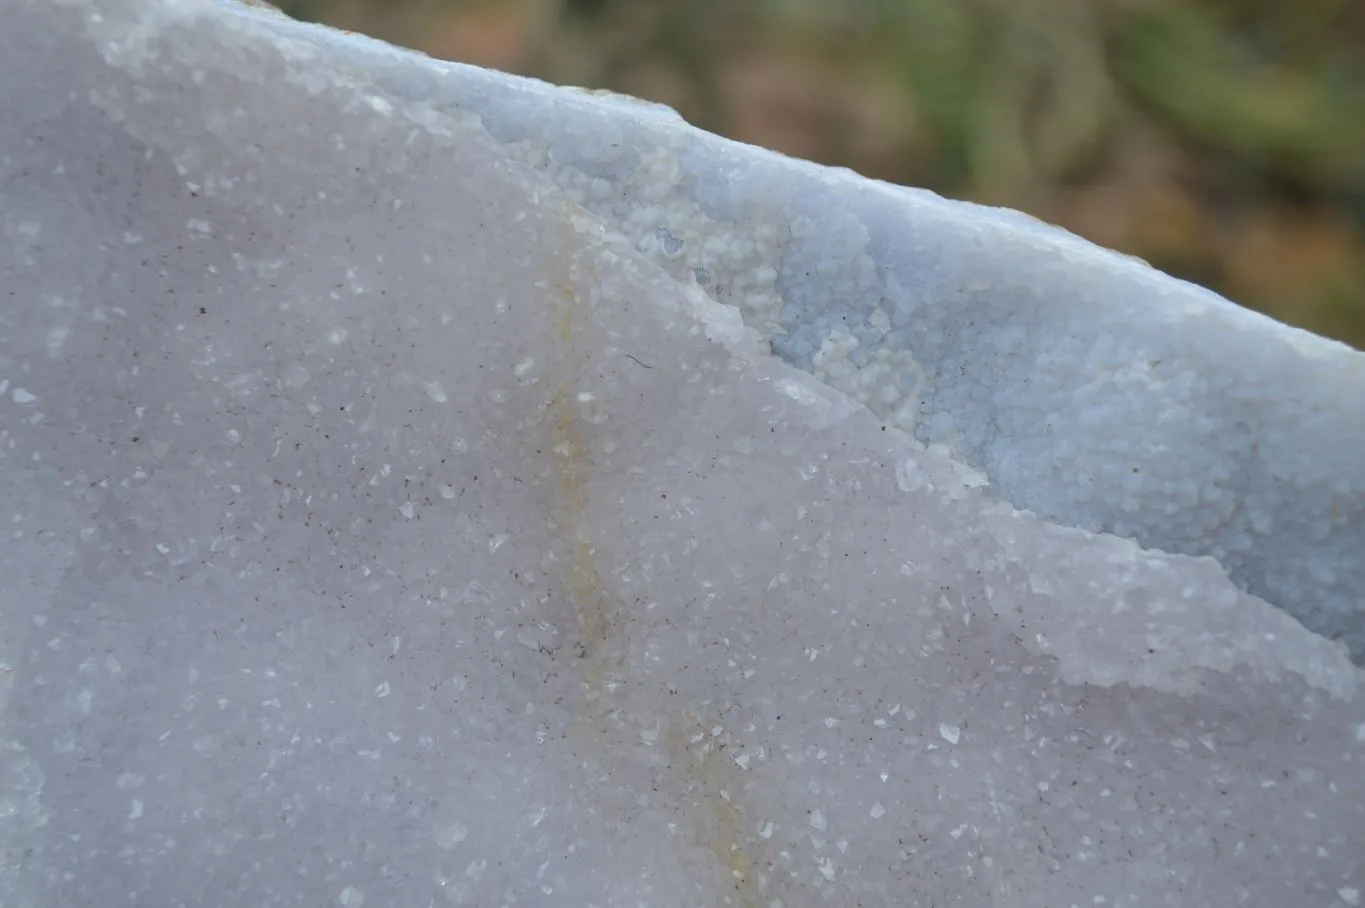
(1221,140)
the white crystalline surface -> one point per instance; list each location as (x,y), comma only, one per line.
(404,507)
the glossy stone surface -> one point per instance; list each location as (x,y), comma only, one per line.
(407,508)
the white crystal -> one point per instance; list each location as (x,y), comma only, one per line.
(405,349)
(436,392)
(452,836)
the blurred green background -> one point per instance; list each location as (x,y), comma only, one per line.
(1221,140)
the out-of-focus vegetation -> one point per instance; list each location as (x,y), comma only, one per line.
(1221,140)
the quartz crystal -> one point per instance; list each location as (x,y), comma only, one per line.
(424,487)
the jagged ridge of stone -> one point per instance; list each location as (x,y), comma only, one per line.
(1088,387)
